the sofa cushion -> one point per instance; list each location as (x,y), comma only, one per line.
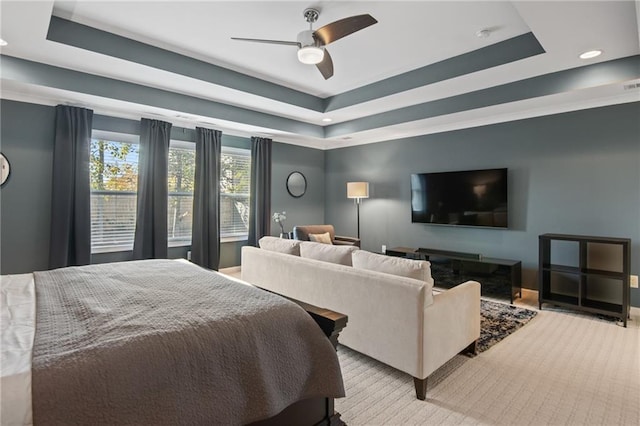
(416,269)
(321,238)
(327,253)
(280,245)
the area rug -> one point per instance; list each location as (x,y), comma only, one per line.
(498,320)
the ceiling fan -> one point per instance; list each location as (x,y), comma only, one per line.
(311,44)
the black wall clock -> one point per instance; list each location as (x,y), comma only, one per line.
(5,169)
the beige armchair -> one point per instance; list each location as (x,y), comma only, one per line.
(302,233)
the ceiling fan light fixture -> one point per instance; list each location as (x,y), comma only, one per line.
(310,55)
(311,43)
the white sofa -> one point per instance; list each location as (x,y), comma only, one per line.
(396,320)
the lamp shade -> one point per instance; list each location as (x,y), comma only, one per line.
(357,189)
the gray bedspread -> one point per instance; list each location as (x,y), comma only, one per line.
(161,342)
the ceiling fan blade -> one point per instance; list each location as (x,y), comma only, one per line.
(326,66)
(338,29)
(259,40)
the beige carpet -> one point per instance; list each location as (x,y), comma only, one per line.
(559,369)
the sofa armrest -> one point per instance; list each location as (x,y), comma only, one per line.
(351,241)
(451,323)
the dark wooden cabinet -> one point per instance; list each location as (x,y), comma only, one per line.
(586,273)
(473,266)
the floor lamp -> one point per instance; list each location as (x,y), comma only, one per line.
(358,191)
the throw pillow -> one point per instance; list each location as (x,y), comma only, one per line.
(321,238)
(327,253)
(416,269)
(280,245)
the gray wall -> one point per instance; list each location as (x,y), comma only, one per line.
(26,138)
(573,173)
(308,209)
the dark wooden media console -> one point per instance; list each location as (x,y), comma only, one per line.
(469,264)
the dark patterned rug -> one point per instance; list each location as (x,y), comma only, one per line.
(498,320)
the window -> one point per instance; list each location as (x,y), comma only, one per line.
(235,170)
(181,175)
(235,167)
(114,185)
(113,169)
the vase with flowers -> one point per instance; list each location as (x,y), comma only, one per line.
(279,218)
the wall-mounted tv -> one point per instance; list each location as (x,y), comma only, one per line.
(464,198)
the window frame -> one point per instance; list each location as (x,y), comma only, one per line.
(116,137)
(245,152)
(180,144)
(134,139)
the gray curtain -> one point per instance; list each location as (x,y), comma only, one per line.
(205,236)
(150,241)
(260,201)
(70,242)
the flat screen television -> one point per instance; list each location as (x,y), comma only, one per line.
(463,198)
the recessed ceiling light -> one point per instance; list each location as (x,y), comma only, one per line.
(3,43)
(591,54)
(327,120)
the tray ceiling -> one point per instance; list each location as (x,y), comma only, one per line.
(421,69)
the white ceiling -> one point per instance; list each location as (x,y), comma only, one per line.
(408,35)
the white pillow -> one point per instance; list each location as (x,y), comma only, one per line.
(327,253)
(416,269)
(281,245)
(321,238)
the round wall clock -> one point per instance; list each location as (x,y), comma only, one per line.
(296,184)
(5,169)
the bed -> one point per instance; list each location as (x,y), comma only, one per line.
(159,342)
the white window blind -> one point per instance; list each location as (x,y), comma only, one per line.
(114,185)
(182,163)
(114,182)
(235,169)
